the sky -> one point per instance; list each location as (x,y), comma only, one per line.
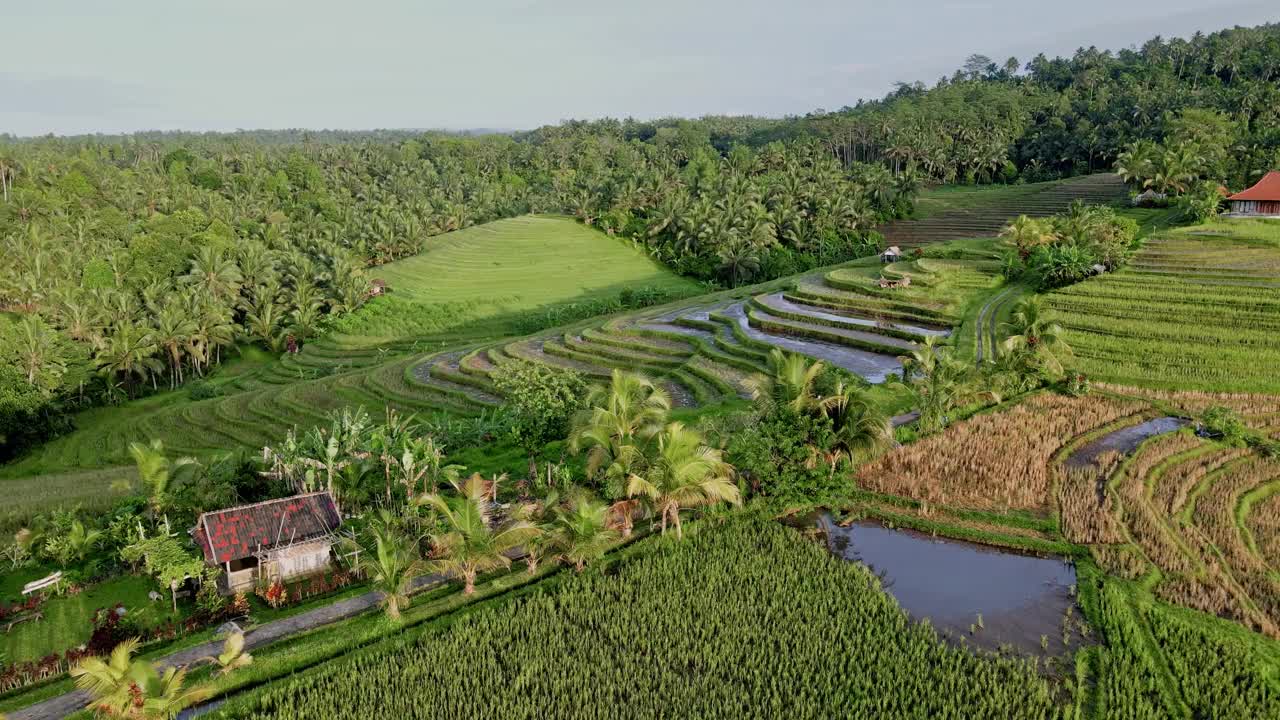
(83,66)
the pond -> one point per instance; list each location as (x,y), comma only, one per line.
(1022,599)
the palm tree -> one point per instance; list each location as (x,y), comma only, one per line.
(472,544)
(167,695)
(219,275)
(683,473)
(1030,330)
(390,566)
(108,681)
(630,409)
(940,384)
(1027,233)
(159,474)
(129,351)
(859,427)
(582,532)
(172,332)
(38,349)
(125,687)
(233,656)
(78,542)
(264,323)
(740,261)
(791,383)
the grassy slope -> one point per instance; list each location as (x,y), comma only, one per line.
(462,292)
(504,267)
(475,280)
(1198,309)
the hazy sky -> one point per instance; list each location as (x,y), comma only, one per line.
(72,66)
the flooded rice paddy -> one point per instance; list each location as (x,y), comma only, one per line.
(992,598)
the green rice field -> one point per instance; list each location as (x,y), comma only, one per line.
(1197,309)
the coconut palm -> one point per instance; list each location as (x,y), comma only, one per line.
(1030,330)
(859,427)
(472,544)
(582,533)
(390,566)
(233,655)
(791,382)
(109,680)
(1027,233)
(740,261)
(683,473)
(172,333)
(37,349)
(630,409)
(128,351)
(77,543)
(159,474)
(124,687)
(941,384)
(219,275)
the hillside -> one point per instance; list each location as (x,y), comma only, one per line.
(467,288)
(958,212)
(1198,309)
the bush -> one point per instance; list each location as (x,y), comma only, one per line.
(203,390)
(775,457)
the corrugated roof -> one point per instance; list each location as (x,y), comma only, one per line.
(1267,189)
(241,532)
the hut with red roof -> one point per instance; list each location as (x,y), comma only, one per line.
(274,540)
(1261,200)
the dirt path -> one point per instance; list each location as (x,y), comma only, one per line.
(63,705)
(984,325)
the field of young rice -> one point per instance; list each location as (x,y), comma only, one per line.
(743,619)
(1193,312)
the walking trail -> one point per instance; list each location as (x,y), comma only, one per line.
(63,705)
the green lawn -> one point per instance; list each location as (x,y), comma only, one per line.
(68,620)
(502,268)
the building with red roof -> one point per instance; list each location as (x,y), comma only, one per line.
(277,539)
(1261,200)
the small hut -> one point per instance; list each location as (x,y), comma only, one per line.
(893,254)
(377,287)
(1150,198)
(1261,200)
(274,540)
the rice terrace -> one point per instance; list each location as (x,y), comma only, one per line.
(959,402)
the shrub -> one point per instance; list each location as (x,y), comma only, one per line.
(203,390)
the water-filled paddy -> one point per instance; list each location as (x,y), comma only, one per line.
(1022,599)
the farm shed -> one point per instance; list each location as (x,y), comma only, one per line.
(1261,200)
(277,539)
(893,254)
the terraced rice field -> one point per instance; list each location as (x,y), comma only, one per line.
(955,213)
(703,352)
(1197,519)
(1191,312)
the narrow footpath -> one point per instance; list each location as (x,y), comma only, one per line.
(63,705)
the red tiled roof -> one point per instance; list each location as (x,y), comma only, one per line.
(241,532)
(1267,189)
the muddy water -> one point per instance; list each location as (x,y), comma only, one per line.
(874,367)
(1021,598)
(1123,441)
(777,300)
